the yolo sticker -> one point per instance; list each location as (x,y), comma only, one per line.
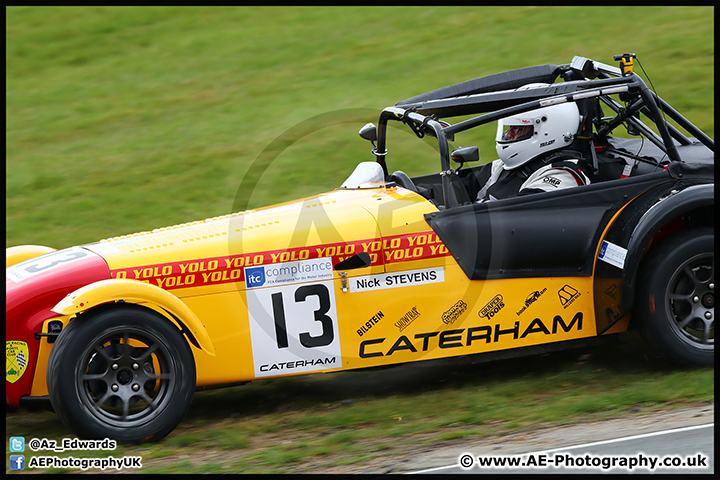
(16,359)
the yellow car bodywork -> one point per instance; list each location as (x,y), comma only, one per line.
(257,295)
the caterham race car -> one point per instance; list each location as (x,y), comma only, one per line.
(117,335)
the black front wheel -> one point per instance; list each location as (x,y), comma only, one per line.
(123,373)
(677,298)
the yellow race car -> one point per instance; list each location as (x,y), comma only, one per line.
(386,269)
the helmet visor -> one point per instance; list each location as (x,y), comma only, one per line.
(515,133)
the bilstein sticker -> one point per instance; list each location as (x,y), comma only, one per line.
(397,279)
(16,358)
(369,324)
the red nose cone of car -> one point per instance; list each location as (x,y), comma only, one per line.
(32,288)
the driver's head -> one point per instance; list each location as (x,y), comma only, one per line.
(523,137)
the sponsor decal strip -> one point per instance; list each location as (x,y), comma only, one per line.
(231,268)
(417,246)
(612,254)
(532,298)
(465,337)
(407,319)
(567,295)
(454,313)
(397,279)
(495,305)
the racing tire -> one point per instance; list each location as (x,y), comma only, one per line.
(676,303)
(123,373)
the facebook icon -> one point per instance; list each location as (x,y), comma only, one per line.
(17,462)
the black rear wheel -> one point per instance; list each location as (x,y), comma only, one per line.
(123,373)
(677,298)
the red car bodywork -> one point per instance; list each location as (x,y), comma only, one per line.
(29,301)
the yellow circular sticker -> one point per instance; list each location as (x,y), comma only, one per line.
(16,359)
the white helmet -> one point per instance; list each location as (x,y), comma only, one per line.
(520,138)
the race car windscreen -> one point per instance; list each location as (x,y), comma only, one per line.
(365,175)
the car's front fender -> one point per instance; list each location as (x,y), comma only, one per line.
(132,291)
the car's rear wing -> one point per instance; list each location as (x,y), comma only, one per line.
(491,83)
(513,79)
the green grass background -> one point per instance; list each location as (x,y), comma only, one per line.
(125,119)
(122,119)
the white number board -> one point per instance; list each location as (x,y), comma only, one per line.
(293,328)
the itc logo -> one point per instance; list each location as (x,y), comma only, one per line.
(255,277)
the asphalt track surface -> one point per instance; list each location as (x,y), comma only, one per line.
(687,434)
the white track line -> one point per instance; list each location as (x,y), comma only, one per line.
(585,445)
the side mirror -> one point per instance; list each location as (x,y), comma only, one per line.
(368,132)
(465,154)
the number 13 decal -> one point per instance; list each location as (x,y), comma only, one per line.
(41,264)
(293,328)
(301,294)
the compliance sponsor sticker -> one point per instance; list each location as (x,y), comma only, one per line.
(397,279)
(285,273)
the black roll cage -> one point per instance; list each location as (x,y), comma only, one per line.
(422,112)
